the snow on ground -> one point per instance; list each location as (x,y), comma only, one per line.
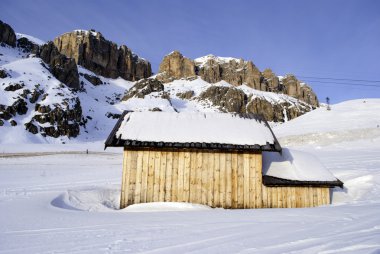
(64,202)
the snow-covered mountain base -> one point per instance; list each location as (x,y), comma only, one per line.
(54,201)
(36,107)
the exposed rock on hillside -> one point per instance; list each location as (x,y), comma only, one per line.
(234,71)
(7,35)
(92,51)
(62,67)
(175,66)
(144,87)
(233,100)
(27,45)
(63,120)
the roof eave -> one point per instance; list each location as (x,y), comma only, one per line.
(271,181)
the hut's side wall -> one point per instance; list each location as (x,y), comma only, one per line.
(294,197)
(228,180)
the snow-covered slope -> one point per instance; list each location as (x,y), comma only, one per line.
(71,199)
(346,121)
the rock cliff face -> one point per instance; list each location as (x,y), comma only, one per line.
(236,72)
(62,67)
(233,100)
(7,35)
(176,66)
(92,51)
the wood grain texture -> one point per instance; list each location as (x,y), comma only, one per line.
(228,180)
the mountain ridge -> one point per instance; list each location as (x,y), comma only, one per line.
(38,102)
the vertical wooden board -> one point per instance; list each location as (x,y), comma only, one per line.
(157,166)
(259,179)
(252,182)
(293,197)
(273,197)
(264,197)
(198,177)
(125,181)
(144,177)
(205,181)
(139,169)
(132,178)
(315,197)
(325,196)
(306,197)
(246,177)
(210,188)
(319,196)
(288,195)
(168,176)
(193,177)
(181,168)
(216,180)
(269,197)
(299,201)
(162,176)
(240,181)
(228,180)
(175,177)
(311,197)
(284,192)
(186,179)
(234,180)
(222,180)
(149,196)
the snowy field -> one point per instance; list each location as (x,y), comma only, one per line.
(58,199)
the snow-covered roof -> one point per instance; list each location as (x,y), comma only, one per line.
(193,130)
(293,167)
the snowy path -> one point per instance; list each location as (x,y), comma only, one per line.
(33,220)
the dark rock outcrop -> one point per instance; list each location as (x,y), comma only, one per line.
(92,51)
(233,100)
(62,67)
(229,99)
(92,79)
(14,87)
(3,73)
(185,95)
(64,121)
(7,34)
(27,45)
(144,87)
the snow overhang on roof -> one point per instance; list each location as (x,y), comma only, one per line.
(296,168)
(212,131)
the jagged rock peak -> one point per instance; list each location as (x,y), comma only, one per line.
(175,66)
(7,34)
(91,50)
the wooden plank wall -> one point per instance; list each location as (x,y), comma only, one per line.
(295,197)
(228,180)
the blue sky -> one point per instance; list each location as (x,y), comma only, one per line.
(328,38)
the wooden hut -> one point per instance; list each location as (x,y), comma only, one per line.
(206,158)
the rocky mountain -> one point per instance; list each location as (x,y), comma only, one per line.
(234,71)
(78,85)
(92,51)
